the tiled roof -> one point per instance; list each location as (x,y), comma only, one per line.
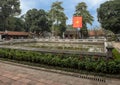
(15,33)
(70,32)
(1,32)
(93,33)
(90,32)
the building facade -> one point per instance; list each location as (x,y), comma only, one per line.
(13,35)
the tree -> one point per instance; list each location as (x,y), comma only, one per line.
(37,21)
(62,28)
(13,24)
(109,15)
(30,18)
(81,10)
(58,18)
(19,24)
(8,8)
(69,26)
(10,24)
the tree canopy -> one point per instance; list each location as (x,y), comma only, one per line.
(37,21)
(109,15)
(15,24)
(81,10)
(8,8)
(58,18)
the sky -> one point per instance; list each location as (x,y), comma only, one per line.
(68,5)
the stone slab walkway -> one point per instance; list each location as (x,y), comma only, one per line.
(17,75)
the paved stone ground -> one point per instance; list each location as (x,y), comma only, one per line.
(17,75)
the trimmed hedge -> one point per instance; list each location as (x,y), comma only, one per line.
(60,60)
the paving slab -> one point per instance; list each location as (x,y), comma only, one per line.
(11,74)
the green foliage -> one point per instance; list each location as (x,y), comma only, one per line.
(58,18)
(19,25)
(81,65)
(15,24)
(9,8)
(101,67)
(37,21)
(111,67)
(62,28)
(81,10)
(109,15)
(59,60)
(116,54)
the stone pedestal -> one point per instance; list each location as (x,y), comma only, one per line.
(109,52)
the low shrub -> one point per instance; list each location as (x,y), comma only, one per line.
(111,67)
(101,67)
(60,60)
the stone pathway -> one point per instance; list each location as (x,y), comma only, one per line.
(17,75)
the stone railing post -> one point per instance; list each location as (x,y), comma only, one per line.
(109,52)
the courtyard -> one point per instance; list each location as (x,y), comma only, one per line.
(18,74)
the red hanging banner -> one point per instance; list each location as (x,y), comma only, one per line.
(77,22)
